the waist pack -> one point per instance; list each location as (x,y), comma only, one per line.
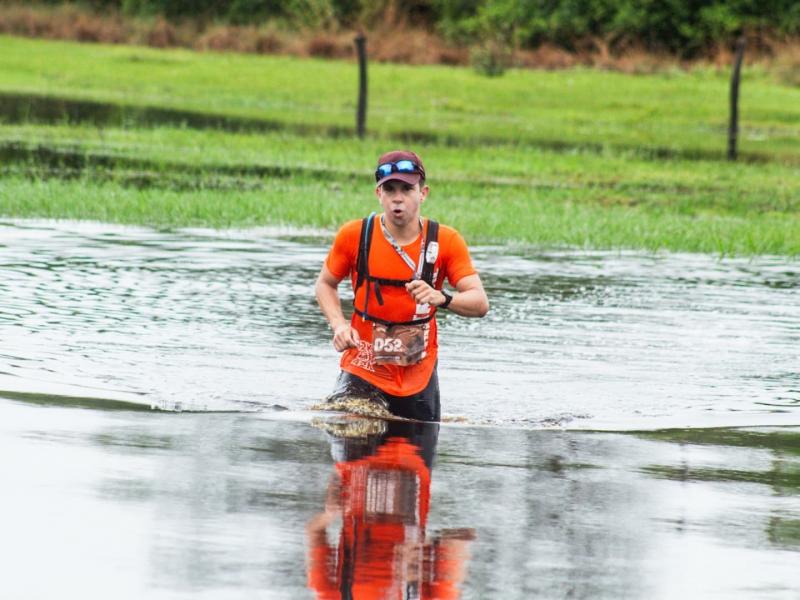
(399,344)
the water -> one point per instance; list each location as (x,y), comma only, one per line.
(102,503)
(27,108)
(221,494)
(202,320)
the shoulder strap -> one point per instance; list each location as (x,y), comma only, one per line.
(365,239)
(431,252)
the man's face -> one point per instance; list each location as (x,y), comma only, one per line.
(401,201)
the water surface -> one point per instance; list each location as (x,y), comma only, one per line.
(208,320)
(129,504)
(230,490)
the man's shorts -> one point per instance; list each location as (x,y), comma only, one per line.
(422,406)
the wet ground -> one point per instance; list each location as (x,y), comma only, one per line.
(252,495)
(27,108)
(31,108)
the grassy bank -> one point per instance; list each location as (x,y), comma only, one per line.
(581,158)
(552,218)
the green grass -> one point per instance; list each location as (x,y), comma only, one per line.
(552,218)
(509,161)
(678,111)
(686,187)
(574,158)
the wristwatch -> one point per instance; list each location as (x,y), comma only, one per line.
(447,299)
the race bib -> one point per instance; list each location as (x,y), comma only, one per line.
(401,345)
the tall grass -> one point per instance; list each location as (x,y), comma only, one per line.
(613,178)
(552,218)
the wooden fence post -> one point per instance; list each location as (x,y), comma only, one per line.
(361,113)
(733,126)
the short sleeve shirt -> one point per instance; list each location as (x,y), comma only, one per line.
(453,263)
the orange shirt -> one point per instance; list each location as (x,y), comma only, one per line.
(452,263)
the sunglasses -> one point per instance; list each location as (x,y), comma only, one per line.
(401,166)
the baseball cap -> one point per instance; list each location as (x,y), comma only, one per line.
(392,158)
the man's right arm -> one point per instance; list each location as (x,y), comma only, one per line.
(344,336)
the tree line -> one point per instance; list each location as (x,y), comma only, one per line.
(685,28)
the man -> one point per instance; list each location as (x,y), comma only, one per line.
(397,263)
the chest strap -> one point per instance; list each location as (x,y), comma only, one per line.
(374,319)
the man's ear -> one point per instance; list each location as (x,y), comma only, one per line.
(424,191)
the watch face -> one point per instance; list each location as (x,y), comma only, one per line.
(447,299)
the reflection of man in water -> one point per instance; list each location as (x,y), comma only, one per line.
(381,493)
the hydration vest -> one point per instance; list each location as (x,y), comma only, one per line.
(363,276)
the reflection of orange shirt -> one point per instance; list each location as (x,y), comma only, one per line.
(452,263)
(385,500)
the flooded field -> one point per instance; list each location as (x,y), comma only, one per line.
(628,425)
(199,320)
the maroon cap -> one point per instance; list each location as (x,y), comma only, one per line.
(397,155)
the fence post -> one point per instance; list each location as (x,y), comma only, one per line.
(361,112)
(733,126)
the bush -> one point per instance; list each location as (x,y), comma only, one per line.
(490,58)
(677,26)
(685,28)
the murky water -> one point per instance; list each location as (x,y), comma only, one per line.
(126,504)
(203,320)
(27,108)
(103,496)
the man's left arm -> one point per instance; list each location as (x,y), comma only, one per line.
(469,301)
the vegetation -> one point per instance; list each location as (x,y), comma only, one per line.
(491,35)
(174,138)
(680,27)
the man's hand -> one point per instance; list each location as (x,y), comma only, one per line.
(344,337)
(424,294)
(470,301)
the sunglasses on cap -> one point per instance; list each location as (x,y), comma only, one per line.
(401,166)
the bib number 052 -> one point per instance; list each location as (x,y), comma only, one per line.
(388,345)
